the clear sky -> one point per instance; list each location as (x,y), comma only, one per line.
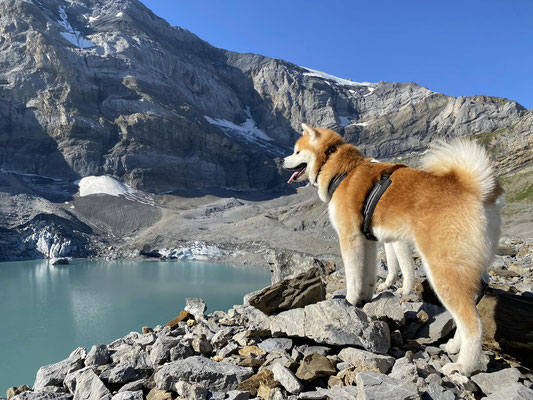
(460,48)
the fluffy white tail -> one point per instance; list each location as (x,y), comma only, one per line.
(467,159)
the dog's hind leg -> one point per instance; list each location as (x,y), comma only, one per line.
(392,266)
(353,258)
(456,285)
(406,265)
(369,273)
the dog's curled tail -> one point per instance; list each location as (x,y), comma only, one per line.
(468,160)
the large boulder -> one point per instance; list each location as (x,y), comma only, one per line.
(376,386)
(285,265)
(54,374)
(305,288)
(221,376)
(333,322)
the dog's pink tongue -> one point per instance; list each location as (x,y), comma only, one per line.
(293,176)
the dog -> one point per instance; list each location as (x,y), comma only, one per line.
(449,210)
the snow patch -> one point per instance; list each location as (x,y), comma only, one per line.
(112,187)
(193,251)
(371,90)
(72,35)
(119,14)
(340,81)
(362,123)
(248,129)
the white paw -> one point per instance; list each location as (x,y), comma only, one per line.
(450,368)
(384,286)
(453,346)
(403,291)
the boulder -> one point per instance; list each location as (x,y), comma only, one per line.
(160,352)
(276,344)
(314,366)
(285,265)
(376,386)
(156,394)
(98,355)
(120,373)
(54,374)
(42,396)
(490,382)
(13,391)
(253,383)
(183,316)
(385,306)
(366,361)
(217,376)
(196,307)
(86,385)
(306,288)
(128,395)
(287,379)
(333,322)
(516,391)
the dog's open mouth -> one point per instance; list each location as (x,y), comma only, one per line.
(299,171)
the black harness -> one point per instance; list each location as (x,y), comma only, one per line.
(371,200)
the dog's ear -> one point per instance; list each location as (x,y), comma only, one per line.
(308,130)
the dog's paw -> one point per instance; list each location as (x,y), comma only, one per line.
(451,368)
(403,291)
(453,346)
(384,286)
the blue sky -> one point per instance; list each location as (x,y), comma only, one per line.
(460,48)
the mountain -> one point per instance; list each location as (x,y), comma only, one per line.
(105,87)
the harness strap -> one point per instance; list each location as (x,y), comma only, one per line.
(371,202)
(335,182)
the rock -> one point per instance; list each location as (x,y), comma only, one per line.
(253,383)
(191,391)
(180,351)
(376,386)
(279,357)
(196,307)
(250,317)
(286,265)
(490,382)
(366,361)
(156,394)
(184,316)
(160,352)
(439,326)
(128,395)
(306,288)
(405,370)
(201,345)
(314,366)
(252,351)
(59,261)
(276,344)
(237,395)
(133,386)
(385,306)
(13,391)
(42,396)
(516,391)
(287,379)
(229,349)
(195,369)
(435,391)
(221,338)
(120,373)
(146,329)
(54,374)
(98,355)
(85,384)
(334,393)
(333,322)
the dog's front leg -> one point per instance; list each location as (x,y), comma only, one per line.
(353,258)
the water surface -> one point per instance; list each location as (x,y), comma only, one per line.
(47,311)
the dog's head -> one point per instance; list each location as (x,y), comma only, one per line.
(310,152)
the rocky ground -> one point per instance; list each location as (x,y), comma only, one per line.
(300,339)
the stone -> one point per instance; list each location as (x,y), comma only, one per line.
(120,373)
(250,317)
(253,351)
(160,352)
(314,366)
(133,386)
(196,307)
(229,349)
(156,394)
(237,395)
(183,316)
(253,383)
(59,261)
(128,395)
(221,338)
(287,379)
(42,396)
(490,382)
(405,370)
(98,355)
(13,391)
(306,288)
(366,361)
(146,329)
(439,326)
(191,391)
(54,374)
(376,386)
(516,391)
(333,322)
(196,369)
(180,351)
(276,344)
(385,306)
(85,384)
(146,339)
(436,391)
(201,345)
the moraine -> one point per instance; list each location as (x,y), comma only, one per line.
(49,310)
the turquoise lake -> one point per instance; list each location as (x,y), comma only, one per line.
(47,311)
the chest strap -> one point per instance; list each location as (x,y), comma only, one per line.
(371,202)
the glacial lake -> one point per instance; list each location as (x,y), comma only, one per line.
(47,311)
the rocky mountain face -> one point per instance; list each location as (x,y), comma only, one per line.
(106,87)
